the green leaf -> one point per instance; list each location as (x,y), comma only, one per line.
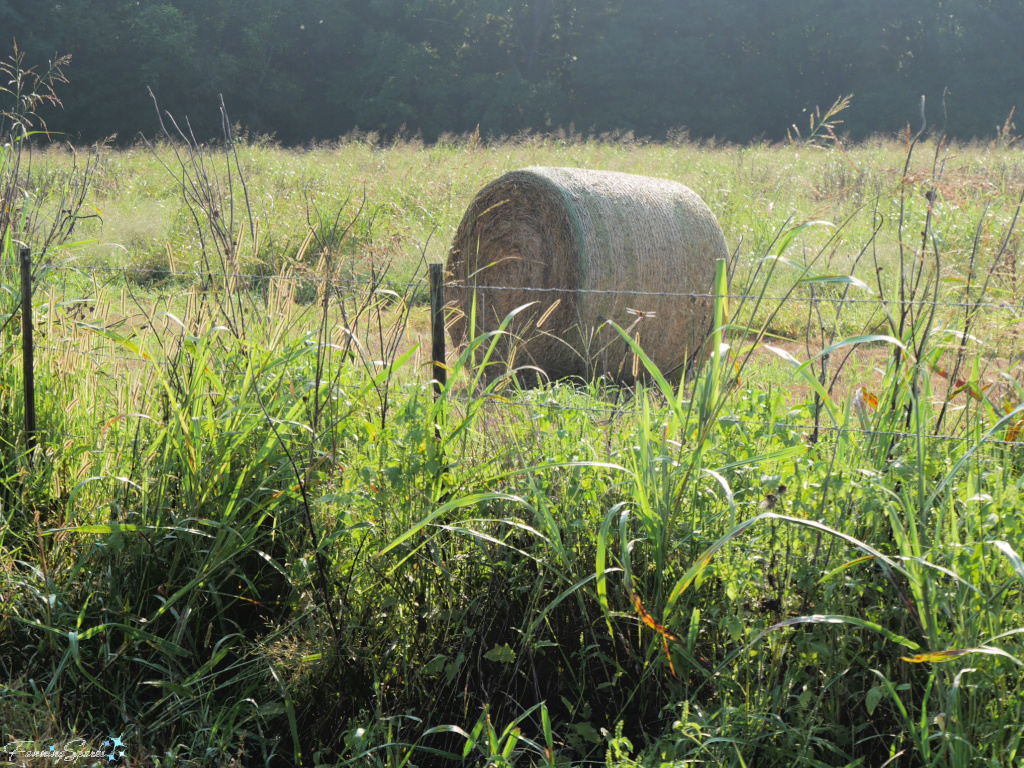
(103,528)
(122,341)
(435,665)
(502,654)
(837,279)
(602,554)
(290,710)
(854,340)
(834,619)
(659,379)
(465,501)
(810,378)
(451,670)
(735,628)
(1012,556)
(787,240)
(587,731)
(694,630)
(873,697)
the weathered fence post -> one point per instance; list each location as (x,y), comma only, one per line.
(440,373)
(27,357)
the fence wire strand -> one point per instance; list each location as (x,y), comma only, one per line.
(405,286)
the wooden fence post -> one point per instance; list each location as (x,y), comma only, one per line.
(440,373)
(27,356)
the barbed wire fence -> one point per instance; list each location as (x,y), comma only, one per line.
(255,279)
(418,291)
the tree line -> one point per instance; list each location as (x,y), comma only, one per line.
(737,70)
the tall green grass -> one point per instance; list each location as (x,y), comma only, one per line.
(252,535)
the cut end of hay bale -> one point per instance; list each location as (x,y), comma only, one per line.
(584,249)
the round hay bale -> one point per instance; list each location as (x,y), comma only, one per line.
(588,247)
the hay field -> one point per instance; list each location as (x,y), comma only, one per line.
(413,193)
(398,207)
(250,533)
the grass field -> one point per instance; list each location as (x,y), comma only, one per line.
(249,535)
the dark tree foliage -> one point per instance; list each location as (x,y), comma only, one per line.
(304,70)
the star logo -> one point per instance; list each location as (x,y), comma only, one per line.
(112,744)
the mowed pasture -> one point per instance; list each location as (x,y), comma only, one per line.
(251,533)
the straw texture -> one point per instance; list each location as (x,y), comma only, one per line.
(576,231)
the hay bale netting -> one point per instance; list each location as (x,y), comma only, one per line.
(599,244)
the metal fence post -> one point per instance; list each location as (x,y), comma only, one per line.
(27,356)
(440,373)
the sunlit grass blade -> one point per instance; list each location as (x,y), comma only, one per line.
(938,657)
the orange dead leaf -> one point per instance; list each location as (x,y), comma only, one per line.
(1013,432)
(960,384)
(671,666)
(647,619)
(869,399)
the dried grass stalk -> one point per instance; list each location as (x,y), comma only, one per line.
(596,243)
